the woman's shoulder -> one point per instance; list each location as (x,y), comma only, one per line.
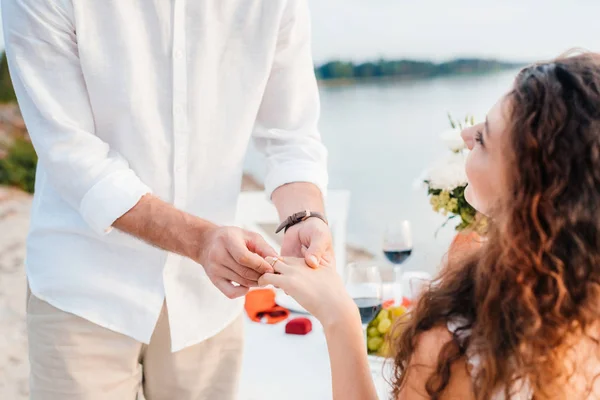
(582,364)
(448,337)
(423,364)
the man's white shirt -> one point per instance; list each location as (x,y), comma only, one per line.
(124,98)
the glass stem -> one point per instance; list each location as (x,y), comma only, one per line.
(397,284)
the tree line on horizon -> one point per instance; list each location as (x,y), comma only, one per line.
(408,68)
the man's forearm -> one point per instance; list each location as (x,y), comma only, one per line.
(162,225)
(298,196)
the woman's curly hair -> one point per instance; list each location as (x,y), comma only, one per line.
(533,288)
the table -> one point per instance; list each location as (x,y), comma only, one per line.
(288,367)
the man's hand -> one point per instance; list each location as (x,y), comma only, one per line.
(227,254)
(230,254)
(311,240)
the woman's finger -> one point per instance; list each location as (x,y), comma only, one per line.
(279,281)
(295,263)
(279,265)
(298,263)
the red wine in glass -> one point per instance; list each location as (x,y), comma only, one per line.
(368,307)
(364,284)
(397,242)
(397,257)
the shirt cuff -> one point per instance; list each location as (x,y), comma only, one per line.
(110,198)
(283,175)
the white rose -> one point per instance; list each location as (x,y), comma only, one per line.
(448,173)
(419,183)
(453,140)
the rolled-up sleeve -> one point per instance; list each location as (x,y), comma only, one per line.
(41,48)
(286,129)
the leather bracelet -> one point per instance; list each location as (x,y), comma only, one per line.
(299,217)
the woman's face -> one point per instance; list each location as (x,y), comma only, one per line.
(486,164)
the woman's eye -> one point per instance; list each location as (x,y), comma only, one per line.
(479,137)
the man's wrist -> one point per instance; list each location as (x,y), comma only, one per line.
(299,218)
(197,240)
(162,225)
(297,196)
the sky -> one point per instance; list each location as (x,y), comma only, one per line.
(519,30)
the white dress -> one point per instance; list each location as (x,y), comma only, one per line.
(520,391)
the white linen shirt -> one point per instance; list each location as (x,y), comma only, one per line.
(122,98)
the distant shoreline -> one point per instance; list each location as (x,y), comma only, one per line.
(342,73)
(342,82)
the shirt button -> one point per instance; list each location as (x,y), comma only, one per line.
(178,110)
(178,54)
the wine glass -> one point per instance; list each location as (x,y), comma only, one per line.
(397,247)
(414,282)
(364,284)
(398,242)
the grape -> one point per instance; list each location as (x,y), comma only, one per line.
(384,326)
(384,350)
(373,332)
(373,344)
(383,314)
(398,312)
(374,322)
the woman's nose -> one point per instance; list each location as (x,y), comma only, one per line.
(468,135)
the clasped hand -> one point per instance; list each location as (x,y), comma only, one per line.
(234,259)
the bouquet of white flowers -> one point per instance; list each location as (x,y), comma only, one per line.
(446,181)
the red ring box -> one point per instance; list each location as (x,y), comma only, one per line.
(298,326)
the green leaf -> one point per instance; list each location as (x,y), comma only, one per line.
(452,124)
(443,225)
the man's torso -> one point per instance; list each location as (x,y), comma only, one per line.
(174,87)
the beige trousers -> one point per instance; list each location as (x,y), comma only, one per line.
(72,358)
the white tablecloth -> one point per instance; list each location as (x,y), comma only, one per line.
(288,367)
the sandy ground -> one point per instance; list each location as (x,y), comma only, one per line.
(14,366)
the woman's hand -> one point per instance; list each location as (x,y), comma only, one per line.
(320,291)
